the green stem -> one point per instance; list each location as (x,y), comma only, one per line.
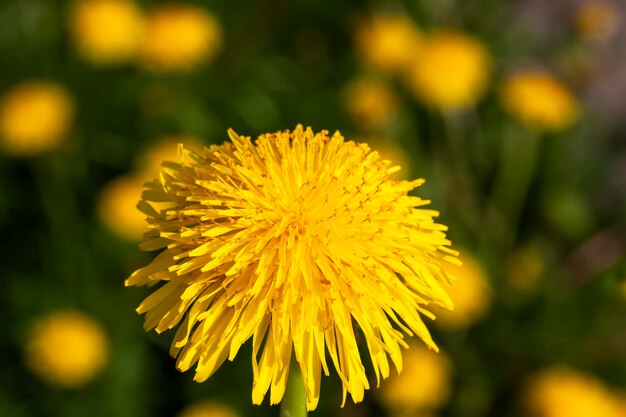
(56,200)
(294,400)
(461,189)
(518,166)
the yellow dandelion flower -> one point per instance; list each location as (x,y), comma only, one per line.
(471,295)
(423,385)
(562,392)
(179,37)
(106,31)
(452,70)
(596,20)
(208,409)
(34,118)
(117,207)
(66,348)
(539,101)
(297,241)
(371,103)
(388,42)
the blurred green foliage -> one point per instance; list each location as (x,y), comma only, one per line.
(499,186)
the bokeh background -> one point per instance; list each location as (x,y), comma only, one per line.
(514,112)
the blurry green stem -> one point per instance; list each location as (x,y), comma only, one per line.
(462,189)
(294,401)
(517,169)
(59,206)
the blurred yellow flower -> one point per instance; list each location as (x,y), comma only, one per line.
(596,20)
(470,294)
(106,31)
(294,239)
(34,117)
(165,149)
(388,42)
(66,348)
(563,392)
(117,207)
(178,37)
(452,70)
(539,101)
(371,103)
(208,409)
(423,385)
(524,268)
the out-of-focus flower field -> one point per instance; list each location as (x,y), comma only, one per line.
(513,111)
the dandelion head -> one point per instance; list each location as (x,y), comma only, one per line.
(388,42)
(34,118)
(300,242)
(470,294)
(179,37)
(539,101)
(423,385)
(208,409)
(117,207)
(66,348)
(452,70)
(563,392)
(372,104)
(106,31)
